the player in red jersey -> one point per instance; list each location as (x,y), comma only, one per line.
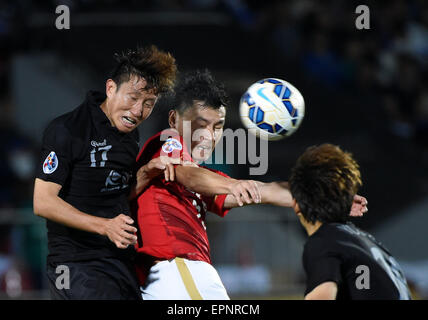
(174,260)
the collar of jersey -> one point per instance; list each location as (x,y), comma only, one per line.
(94,100)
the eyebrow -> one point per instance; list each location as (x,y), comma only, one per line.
(139,93)
(199,118)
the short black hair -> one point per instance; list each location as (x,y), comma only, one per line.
(324,182)
(157,67)
(199,85)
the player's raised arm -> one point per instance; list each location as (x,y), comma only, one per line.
(240,192)
(209,183)
(278,194)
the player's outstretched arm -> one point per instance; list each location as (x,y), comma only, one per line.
(275,193)
(49,205)
(209,183)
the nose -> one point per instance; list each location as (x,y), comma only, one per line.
(210,133)
(137,111)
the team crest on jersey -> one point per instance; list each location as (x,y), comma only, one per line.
(51,163)
(171,144)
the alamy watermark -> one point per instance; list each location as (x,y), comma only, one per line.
(231,147)
(363,280)
(63,278)
(363,20)
(63,20)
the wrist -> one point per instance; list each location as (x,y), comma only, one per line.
(230,184)
(101,226)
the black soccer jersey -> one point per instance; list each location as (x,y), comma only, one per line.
(94,163)
(342,253)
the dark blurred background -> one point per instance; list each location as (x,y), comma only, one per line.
(365,90)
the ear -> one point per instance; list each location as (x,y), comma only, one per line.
(295,206)
(111,88)
(172,118)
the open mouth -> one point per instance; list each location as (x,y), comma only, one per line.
(203,147)
(129,122)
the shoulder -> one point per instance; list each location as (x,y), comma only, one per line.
(151,145)
(316,244)
(325,240)
(58,128)
(67,131)
(71,121)
(169,140)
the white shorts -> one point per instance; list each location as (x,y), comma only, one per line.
(183,279)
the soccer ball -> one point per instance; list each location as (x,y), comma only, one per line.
(272,109)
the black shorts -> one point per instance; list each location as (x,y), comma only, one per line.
(101,279)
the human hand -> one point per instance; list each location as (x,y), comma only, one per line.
(359,206)
(157,166)
(245,190)
(120,231)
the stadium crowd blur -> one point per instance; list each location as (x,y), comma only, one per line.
(387,64)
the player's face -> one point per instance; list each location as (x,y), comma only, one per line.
(206,127)
(130,104)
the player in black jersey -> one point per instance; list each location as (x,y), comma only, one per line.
(87,175)
(340,260)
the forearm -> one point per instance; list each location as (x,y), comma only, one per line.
(57,210)
(203,181)
(274,193)
(142,181)
(155,167)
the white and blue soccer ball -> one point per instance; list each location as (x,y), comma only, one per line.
(272,109)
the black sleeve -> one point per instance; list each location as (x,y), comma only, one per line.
(322,263)
(56,155)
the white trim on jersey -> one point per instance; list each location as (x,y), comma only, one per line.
(183,279)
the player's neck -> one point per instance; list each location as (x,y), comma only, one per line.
(104,108)
(312,228)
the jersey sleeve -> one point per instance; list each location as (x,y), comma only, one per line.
(216,204)
(56,155)
(321,264)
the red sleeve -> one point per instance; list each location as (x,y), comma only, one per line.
(216,204)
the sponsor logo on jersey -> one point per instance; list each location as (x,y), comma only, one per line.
(51,163)
(116,181)
(171,144)
(99,144)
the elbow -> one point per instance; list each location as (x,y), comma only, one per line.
(44,198)
(39,207)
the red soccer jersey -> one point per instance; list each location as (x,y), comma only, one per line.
(171,218)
